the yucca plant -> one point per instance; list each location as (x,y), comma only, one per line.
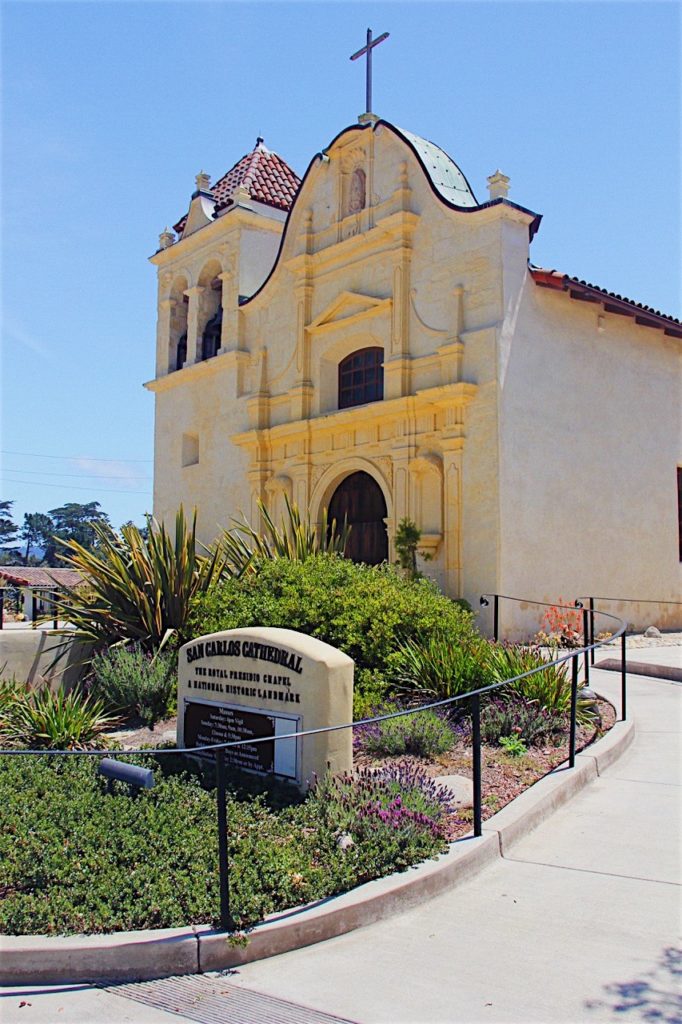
(41,719)
(296,538)
(440,667)
(550,687)
(138,588)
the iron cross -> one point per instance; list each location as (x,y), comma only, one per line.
(371,43)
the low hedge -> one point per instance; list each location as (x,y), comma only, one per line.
(365,611)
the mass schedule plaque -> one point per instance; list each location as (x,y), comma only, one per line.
(207,724)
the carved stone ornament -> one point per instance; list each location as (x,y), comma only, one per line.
(356,195)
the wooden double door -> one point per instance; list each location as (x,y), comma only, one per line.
(360,501)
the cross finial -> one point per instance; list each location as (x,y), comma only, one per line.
(367,49)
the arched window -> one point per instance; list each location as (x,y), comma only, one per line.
(210,341)
(361,377)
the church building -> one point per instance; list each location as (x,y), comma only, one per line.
(376,340)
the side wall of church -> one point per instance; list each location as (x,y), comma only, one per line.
(590,440)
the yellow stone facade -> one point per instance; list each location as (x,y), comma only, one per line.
(386,247)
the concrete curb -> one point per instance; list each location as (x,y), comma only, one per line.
(144,955)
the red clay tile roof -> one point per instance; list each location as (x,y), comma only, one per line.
(29,576)
(266,177)
(611,301)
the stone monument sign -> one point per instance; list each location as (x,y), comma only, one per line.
(261,683)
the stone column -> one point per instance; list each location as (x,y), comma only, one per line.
(163,337)
(193,320)
(452,517)
(229,332)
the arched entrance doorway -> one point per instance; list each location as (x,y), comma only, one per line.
(359,499)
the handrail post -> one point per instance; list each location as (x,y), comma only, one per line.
(476,756)
(496,618)
(592,652)
(586,642)
(34,609)
(55,610)
(574,708)
(2,606)
(623,676)
(223,864)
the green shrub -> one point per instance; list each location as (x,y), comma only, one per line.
(131,680)
(423,733)
(365,611)
(550,688)
(511,715)
(75,858)
(513,745)
(38,718)
(438,667)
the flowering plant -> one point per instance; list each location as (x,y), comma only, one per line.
(562,627)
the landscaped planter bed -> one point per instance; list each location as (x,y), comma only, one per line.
(75,859)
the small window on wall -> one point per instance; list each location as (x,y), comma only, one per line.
(190,449)
(361,377)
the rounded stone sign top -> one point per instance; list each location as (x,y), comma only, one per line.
(256,690)
(307,646)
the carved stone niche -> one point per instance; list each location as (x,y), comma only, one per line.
(278,489)
(426,472)
(357,191)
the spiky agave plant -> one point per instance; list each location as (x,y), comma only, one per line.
(41,719)
(296,538)
(136,587)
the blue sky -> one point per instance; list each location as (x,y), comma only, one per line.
(110,109)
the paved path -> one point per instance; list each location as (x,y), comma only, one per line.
(579,924)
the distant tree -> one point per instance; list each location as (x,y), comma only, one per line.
(8,534)
(143,530)
(36,533)
(74,522)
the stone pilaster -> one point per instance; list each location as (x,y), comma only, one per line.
(229,332)
(163,337)
(193,324)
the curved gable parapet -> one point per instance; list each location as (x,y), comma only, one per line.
(441,170)
(445,179)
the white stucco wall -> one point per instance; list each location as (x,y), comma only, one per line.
(590,440)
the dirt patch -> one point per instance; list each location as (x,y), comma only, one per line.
(504,776)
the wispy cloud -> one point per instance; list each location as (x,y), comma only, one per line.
(124,474)
(14,331)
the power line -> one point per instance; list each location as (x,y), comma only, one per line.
(73,458)
(77,476)
(70,487)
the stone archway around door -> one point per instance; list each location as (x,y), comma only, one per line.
(360,500)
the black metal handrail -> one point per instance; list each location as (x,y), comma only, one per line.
(474,696)
(614,600)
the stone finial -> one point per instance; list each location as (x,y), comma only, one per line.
(203,181)
(498,185)
(166,238)
(241,194)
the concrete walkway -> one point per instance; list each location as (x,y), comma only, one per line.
(578,924)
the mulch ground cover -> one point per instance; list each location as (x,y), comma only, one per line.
(504,776)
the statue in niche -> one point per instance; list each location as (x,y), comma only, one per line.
(356,197)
